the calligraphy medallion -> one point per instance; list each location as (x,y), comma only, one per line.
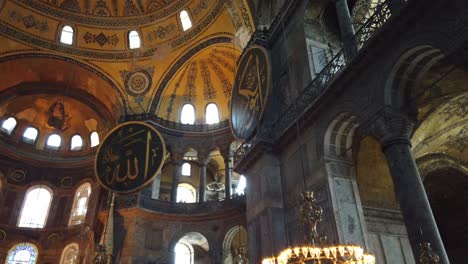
(250,93)
(130,157)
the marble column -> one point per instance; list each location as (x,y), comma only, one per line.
(202,188)
(227,172)
(346,29)
(177,163)
(393,130)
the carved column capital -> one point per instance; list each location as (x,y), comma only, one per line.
(225,152)
(203,158)
(390,127)
(177,158)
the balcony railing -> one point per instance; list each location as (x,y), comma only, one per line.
(379,16)
(175,125)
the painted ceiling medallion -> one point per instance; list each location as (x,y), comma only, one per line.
(139,82)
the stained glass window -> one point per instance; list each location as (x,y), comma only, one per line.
(80,204)
(35,207)
(70,254)
(24,253)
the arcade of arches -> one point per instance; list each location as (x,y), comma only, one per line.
(367,107)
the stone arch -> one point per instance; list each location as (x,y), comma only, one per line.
(436,161)
(197,241)
(339,136)
(231,234)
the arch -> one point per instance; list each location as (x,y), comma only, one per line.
(194,239)
(9,125)
(186,193)
(67,35)
(339,136)
(94,139)
(187,114)
(211,114)
(236,234)
(185,20)
(76,143)
(184,253)
(134,40)
(186,169)
(436,161)
(70,254)
(36,205)
(407,72)
(54,141)
(23,253)
(80,204)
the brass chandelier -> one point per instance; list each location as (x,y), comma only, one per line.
(317,251)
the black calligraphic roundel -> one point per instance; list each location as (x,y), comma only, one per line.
(250,92)
(130,157)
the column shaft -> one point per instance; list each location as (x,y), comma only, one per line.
(419,220)
(175,181)
(346,28)
(201,192)
(227,178)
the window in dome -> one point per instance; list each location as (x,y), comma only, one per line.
(185,20)
(30,135)
(80,204)
(76,142)
(186,169)
(70,254)
(54,141)
(36,207)
(24,253)
(66,36)
(187,115)
(212,114)
(183,253)
(94,139)
(240,189)
(134,41)
(8,125)
(186,193)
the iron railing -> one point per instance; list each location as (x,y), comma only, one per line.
(321,82)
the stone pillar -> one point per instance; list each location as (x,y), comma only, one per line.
(225,152)
(177,163)
(203,159)
(393,130)
(346,28)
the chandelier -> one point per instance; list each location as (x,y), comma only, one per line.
(317,251)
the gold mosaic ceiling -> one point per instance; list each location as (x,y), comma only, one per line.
(142,79)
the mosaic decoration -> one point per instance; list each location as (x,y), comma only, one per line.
(226,53)
(208,90)
(227,85)
(71,5)
(458,141)
(17,175)
(245,16)
(130,9)
(139,82)
(203,4)
(130,157)
(101,9)
(29,21)
(190,89)
(154,5)
(162,32)
(173,95)
(234,15)
(58,118)
(101,39)
(222,61)
(250,93)
(456,108)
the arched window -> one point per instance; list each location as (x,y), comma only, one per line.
(8,125)
(134,41)
(183,253)
(30,135)
(240,189)
(54,141)
(186,193)
(212,114)
(76,142)
(24,253)
(186,169)
(70,254)
(66,35)
(94,139)
(36,207)
(185,20)
(187,115)
(80,204)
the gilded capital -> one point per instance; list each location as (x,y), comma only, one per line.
(391,126)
